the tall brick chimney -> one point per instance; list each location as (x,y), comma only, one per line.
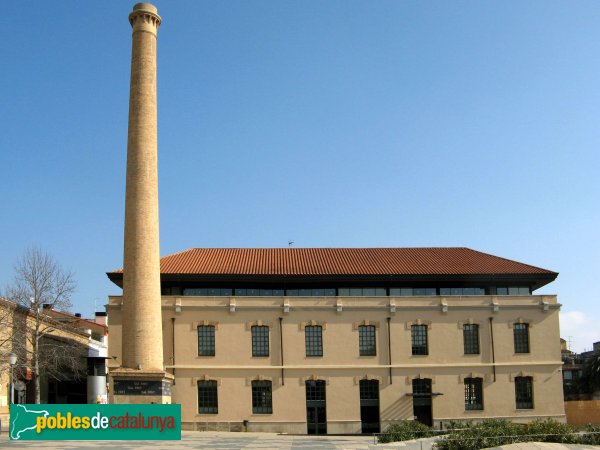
(142,344)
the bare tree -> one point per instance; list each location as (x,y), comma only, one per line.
(40,283)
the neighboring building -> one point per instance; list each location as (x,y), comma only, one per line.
(575,384)
(572,372)
(66,384)
(97,330)
(345,340)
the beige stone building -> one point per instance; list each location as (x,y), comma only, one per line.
(349,340)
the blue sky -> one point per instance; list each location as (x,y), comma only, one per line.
(332,124)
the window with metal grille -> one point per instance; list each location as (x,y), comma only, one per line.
(524,392)
(471,339)
(473,394)
(521,333)
(260,340)
(366,340)
(369,389)
(262,398)
(206,340)
(315,390)
(419,339)
(208,402)
(313,335)
(421,386)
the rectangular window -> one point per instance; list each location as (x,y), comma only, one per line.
(419,339)
(524,392)
(366,340)
(262,397)
(260,341)
(314,340)
(206,340)
(471,338)
(208,402)
(521,334)
(473,394)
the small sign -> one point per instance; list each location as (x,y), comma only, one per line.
(141,387)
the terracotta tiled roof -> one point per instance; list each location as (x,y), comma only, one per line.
(342,261)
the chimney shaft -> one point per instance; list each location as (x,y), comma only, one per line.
(142,330)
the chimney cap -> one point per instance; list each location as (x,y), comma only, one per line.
(77,314)
(149,7)
(100,313)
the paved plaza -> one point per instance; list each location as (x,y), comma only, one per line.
(265,441)
(214,441)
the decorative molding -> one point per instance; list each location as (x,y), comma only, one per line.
(392,306)
(314,377)
(205,323)
(419,322)
(205,377)
(313,323)
(512,323)
(249,380)
(461,377)
(469,321)
(258,323)
(420,376)
(367,377)
(522,373)
(366,323)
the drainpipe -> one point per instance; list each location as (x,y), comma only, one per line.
(281,349)
(389,319)
(493,353)
(173,350)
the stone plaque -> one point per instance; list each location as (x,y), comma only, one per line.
(141,387)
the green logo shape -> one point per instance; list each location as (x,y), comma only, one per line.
(95,422)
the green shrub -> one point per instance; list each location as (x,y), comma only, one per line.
(493,433)
(474,436)
(588,438)
(552,431)
(405,431)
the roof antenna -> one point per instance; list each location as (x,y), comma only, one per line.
(290,244)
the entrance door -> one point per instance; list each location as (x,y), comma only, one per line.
(316,417)
(422,401)
(369,406)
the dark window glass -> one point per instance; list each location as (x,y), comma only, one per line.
(524,392)
(521,333)
(367,340)
(402,292)
(260,341)
(471,339)
(196,292)
(241,292)
(291,292)
(421,387)
(304,292)
(314,340)
(329,292)
(343,292)
(369,389)
(502,291)
(423,291)
(208,402)
(206,340)
(315,390)
(278,292)
(473,394)
(265,292)
(419,339)
(262,398)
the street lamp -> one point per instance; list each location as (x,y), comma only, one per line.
(12,360)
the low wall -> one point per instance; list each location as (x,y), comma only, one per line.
(582,412)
